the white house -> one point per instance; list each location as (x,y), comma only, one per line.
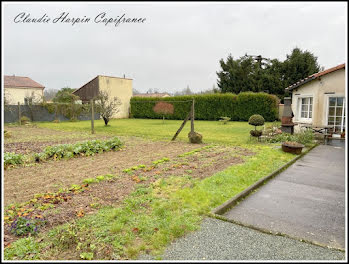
(18,89)
(320,100)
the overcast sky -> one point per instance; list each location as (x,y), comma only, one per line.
(178,44)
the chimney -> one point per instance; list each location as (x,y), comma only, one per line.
(287,115)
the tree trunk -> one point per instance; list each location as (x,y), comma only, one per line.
(106,120)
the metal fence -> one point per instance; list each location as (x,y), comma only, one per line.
(38,113)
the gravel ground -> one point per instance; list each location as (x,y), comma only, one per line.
(220,240)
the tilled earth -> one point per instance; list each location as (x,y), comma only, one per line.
(21,183)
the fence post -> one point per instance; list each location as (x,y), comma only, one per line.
(56,109)
(92,118)
(19,113)
(192,117)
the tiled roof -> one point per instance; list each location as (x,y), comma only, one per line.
(314,76)
(17,81)
(152,95)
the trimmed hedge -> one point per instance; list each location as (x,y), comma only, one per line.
(211,106)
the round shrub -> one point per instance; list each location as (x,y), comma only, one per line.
(256,120)
(256,133)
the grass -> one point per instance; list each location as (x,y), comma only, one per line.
(152,216)
(18,134)
(212,131)
(155,214)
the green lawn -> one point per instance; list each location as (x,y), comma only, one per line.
(212,131)
(155,214)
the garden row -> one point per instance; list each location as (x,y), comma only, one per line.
(67,151)
(211,106)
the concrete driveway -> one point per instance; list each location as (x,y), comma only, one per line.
(306,201)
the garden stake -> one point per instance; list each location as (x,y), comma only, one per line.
(92,118)
(19,113)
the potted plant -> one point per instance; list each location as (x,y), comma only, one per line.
(256,120)
(292,147)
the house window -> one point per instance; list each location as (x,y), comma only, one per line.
(336,113)
(306,105)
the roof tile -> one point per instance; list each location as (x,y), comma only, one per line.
(17,81)
(314,76)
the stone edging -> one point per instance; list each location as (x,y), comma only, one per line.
(231,202)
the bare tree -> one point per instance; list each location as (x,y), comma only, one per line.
(32,101)
(49,94)
(107,106)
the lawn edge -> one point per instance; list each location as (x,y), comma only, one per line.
(221,209)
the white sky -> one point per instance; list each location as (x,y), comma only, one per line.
(179,44)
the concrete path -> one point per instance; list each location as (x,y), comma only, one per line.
(306,201)
(220,240)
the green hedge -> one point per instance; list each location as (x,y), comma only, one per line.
(211,106)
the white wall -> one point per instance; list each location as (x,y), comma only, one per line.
(333,83)
(17,94)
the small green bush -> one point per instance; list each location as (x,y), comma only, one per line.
(305,137)
(25,120)
(225,119)
(256,133)
(66,151)
(23,226)
(11,158)
(256,120)
(87,148)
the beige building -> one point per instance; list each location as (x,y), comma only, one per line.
(320,100)
(114,86)
(20,89)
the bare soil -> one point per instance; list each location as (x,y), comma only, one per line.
(21,183)
(112,192)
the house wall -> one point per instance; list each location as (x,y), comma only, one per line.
(332,83)
(120,88)
(17,94)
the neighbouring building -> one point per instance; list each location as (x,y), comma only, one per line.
(152,95)
(114,86)
(21,89)
(320,100)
